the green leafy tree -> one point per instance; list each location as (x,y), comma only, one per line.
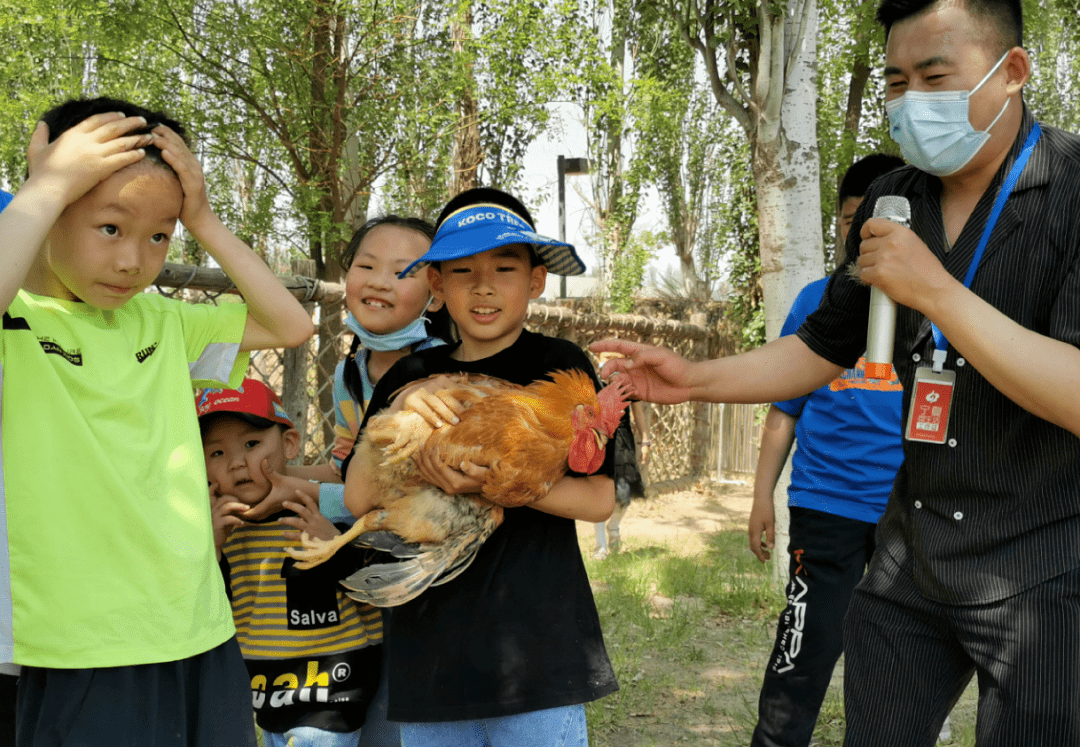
(851,101)
(300,102)
(681,139)
(1052,38)
(492,70)
(759,59)
(611,96)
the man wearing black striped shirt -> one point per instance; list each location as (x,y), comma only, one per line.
(978,562)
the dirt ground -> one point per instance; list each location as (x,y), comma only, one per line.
(710,696)
(683,519)
(711,699)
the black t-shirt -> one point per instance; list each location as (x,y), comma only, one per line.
(518,630)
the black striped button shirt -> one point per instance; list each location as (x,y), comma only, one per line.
(996,510)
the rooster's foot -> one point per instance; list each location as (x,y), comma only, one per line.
(314,551)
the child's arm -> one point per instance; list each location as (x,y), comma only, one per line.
(60,173)
(360,488)
(275,318)
(590,498)
(777,436)
(327,472)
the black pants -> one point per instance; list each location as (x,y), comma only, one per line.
(909,659)
(8,684)
(203,701)
(828,556)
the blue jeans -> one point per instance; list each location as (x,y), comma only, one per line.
(554,727)
(308,736)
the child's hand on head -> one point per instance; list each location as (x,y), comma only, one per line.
(176,153)
(85,155)
(307,519)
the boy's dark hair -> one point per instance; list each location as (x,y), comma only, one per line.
(479,195)
(857,180)
(1005,17)
(439,325)
(62,118)
(485,194)
(253,420)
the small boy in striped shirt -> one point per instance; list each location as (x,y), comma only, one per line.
(313,654)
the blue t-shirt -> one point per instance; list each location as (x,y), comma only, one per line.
(5,198)
(848,435)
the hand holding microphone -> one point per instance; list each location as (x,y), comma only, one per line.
(881,328)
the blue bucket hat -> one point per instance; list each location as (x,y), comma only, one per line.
(484,226)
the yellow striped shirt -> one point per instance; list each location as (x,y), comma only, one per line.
(267,625)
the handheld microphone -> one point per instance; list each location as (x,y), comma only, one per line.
(881,329)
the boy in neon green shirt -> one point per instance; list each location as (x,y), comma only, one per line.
(110,595)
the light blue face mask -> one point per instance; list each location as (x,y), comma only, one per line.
(415,331)
(933,130)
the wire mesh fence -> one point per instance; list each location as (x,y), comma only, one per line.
(690,441)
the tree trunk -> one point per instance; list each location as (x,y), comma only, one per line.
(785,165)
(467,154)
(860,74)
(789,201)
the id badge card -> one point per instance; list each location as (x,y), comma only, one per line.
(931,401)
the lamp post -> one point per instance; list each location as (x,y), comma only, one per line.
(572,166)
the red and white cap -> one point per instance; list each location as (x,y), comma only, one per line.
(252,398)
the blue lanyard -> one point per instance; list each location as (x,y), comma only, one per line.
(940,343)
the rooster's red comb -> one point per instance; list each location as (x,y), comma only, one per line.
(613,400)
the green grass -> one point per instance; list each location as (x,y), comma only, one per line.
(688,636)
(723,582)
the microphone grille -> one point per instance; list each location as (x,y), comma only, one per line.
(893,207)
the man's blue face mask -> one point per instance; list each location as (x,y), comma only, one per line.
(933,130)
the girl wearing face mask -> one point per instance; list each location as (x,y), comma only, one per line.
(389,318)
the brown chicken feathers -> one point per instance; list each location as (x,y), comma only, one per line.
(527,436)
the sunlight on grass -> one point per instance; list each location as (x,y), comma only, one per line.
(688,637)
(653,602)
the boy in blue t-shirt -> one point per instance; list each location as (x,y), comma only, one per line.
(849,449)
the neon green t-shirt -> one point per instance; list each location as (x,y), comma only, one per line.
(106,543)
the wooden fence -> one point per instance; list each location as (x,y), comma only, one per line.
(692,441)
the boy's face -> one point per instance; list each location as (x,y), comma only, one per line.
(488,296)
(111,243)
(235,451)
(847,215)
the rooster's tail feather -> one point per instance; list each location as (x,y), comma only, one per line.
(390,543)
(393,584)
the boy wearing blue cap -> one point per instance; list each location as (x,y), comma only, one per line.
(507,653)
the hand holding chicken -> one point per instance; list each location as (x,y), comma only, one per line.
(511,444)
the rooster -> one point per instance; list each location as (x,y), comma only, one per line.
(527,436)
